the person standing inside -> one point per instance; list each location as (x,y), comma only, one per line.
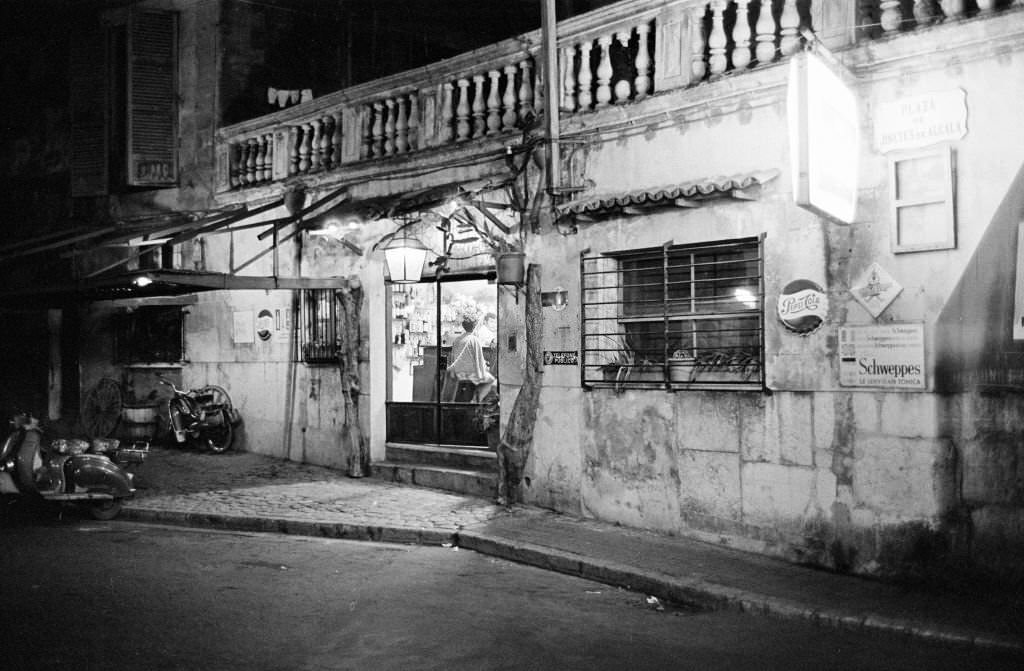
(466,362)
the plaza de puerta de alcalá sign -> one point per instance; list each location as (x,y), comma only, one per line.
(803,306)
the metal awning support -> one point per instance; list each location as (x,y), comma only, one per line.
(330,200)
(183,237)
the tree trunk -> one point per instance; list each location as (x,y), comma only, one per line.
(514,448)
(350,301)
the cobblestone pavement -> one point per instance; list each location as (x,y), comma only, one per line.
(245,484)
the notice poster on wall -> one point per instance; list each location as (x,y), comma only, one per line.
(243,330)
(882,355)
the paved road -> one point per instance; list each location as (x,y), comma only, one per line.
(86,595)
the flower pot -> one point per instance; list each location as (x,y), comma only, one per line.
(511,267)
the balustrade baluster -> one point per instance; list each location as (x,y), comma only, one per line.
(741,36)
(447,114)
(952,8)
(294,140)
(263,158)
(365,131)
(377,130)
(306,147)
(789,29)
(765,49)
(642,83)
(985,6)
(623,86)
(336,139)
(493,104)
(697,65)
(525,89)
(250,162)
(462,125)
(414,121)
(326,142)
(892,16)
(717,61)
(604,72)
(585,78)
(568,68)
(924,13)
(479,107)
(401,126)
(235,152)
(389,127)
(314,144)
(508,119)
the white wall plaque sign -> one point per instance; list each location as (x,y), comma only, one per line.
(875,289)
(243,329)
(921,120)
(882,355)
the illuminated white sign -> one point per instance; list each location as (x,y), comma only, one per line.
(919,121)
(824,138)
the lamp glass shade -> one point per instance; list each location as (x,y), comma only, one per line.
(405,257)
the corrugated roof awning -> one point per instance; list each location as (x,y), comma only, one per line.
(688,194)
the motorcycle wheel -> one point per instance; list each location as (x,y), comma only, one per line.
(105,510)
(28,461)
(220,437)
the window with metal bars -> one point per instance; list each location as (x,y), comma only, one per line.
(319,330)
(674,316)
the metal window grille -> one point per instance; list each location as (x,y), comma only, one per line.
(318,326)
(676,316)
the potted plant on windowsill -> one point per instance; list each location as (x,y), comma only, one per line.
(682,366)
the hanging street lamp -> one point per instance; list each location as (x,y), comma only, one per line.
(404,257)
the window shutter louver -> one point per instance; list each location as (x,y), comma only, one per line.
(152,109)
(89,106)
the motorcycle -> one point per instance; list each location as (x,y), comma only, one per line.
(67,470)
(195,417)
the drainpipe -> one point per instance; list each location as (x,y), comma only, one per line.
(549,32)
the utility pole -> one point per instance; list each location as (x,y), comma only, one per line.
(549,33)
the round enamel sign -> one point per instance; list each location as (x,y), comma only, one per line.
(803,306)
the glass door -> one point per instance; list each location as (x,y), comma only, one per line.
(433,396)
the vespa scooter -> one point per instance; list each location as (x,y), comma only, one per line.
(63,471)
(194,417)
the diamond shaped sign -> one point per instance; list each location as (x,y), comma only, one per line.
(875,289)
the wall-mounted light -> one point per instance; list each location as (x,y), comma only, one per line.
(405,257)
(142,281)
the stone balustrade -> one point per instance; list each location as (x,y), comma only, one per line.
(617,55)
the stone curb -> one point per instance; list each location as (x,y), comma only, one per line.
(338,530)
(692,591)
(718,597)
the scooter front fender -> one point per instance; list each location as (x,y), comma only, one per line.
(93,472)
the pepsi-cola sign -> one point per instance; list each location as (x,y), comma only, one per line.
(803,306)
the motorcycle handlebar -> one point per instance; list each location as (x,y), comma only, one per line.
(170,384)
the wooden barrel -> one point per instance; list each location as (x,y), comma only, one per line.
(139,421)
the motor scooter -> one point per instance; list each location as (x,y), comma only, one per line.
(195,417)
(67,470)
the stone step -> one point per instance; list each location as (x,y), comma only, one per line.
(462,458)
(471,482)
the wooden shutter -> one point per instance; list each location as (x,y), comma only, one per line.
(152,97)
(89,106)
